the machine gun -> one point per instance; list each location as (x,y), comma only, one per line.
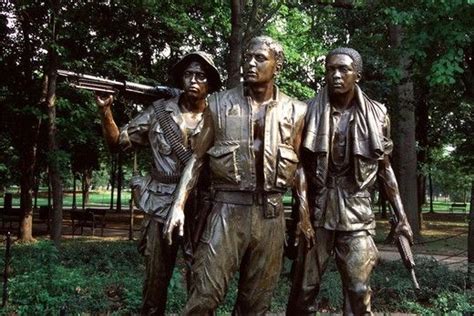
(403,246)
(130,90)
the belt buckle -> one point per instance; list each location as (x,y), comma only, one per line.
(258,198)
(331,182)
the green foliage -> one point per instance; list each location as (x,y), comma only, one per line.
(448,174)
(60,160)
(294,29)
(437,34)
(90,276)
(93,276)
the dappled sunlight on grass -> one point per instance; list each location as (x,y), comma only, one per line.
(443,234)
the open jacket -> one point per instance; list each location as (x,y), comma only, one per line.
(369,141)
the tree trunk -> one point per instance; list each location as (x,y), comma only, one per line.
(50,195)
(404,153)
(430,181)
(421,184)
(83,192)
(86,185)
(53,165)
(28,134)
(470,242)
(74,201)
(112,181)
(119,182)
(35,191)
(27,165)
(235,44)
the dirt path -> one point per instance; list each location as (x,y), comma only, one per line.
(388,253)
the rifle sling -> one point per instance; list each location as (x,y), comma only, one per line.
(175,139)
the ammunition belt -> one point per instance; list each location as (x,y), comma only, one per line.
(163,177)
(172,136)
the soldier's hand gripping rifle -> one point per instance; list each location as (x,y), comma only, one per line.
(130,90)
(404,248)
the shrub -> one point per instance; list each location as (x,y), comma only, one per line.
(93,276)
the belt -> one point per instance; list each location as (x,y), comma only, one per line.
(334,181)
(165,177)
(245,197)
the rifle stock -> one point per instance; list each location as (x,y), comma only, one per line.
(130,90)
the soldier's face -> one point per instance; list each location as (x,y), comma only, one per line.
(260,65)
(195,82)
(341,76)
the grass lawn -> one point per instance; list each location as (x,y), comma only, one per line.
(444,234)
(97,276)
(102,198)
(96,198)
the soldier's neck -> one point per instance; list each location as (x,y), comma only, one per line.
(192,105)
(342,102)
(261,92)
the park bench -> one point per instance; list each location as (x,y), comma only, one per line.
(458,206)
(10,215)
(93,218)
(44,213)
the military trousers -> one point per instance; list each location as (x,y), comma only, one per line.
(159,263)
(238,238)
(356,255)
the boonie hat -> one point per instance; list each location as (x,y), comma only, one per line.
(212,73)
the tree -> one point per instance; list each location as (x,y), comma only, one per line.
(22,95)
(254,15)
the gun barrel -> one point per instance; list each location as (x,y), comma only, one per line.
(87,78)
(133,87)
(131,90)
(413,278)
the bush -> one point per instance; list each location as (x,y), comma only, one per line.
(83,276)
(94,276)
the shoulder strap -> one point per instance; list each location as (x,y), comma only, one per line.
(175,139)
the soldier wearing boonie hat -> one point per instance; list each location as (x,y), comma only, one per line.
(206,61)
(169,127)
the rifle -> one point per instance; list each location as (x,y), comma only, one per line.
(131,90)
(403,246)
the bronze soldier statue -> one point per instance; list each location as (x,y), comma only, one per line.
(346,148)
(170,127)
(251,135)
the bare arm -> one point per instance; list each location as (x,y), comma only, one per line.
(189,178)
(109,127)
(304,225)
(390,186)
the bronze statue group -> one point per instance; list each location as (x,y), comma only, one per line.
(223,159)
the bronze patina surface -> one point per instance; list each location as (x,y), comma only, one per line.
(347,146)
(196,75)
(251,136)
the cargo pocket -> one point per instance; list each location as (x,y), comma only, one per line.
(273,206)
(359,208)
(287,164)
(223,163)
(319,206)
